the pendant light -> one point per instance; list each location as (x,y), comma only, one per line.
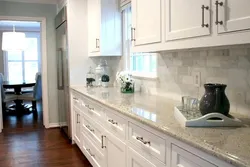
(13,41)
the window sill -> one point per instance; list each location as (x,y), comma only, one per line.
(146,76)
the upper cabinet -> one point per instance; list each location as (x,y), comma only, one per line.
(232,15)
(164,25)
(104,28)
(187,19)
(146,22)
(94,25)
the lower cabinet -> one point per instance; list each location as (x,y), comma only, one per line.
(136,160)
(123,142)
(77,126)
(96,158)
(183,158)
(115,151)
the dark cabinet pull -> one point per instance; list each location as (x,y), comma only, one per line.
(96,43)
(132,34)
(142,140)
(203,16)
(103,141)
(88,150)
(113,122)
(89,128)
(77,118)
(217,3)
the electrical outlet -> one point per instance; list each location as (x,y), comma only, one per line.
(197,79)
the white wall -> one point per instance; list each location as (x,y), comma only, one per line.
(77,41)
(49,12)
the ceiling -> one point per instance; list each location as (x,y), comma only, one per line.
(35,1)
(19,25)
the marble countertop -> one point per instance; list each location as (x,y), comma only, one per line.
(226,143)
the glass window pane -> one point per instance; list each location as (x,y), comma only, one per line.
(31,68)
(14,55)
(31,53)
(15,71)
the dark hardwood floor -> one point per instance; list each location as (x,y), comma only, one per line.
(25,143)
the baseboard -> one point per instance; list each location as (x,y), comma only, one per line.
(56,125)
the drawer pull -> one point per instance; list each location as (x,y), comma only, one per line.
(76,99)
(203,16)
(88,150)
(113,122)
(217,3)
(88,127)
(142,141)
(103,141)
(86,105)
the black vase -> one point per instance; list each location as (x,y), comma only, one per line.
(214,100)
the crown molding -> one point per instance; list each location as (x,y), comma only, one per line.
(34,1)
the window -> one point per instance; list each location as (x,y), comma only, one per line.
(23,65)
(140,64)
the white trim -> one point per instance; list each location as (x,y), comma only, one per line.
(57,125)
(143,75)
(44,61)
(34,1)
(54,125)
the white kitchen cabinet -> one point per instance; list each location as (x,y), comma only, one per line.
(95,157)
(77,126)
(115,151)
(136,160)
(183,158)
(187,19)
(125,142)
(104,28)
(146,22)
(232,15)
(94,23)
(179,24)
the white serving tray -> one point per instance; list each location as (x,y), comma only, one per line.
(196,119)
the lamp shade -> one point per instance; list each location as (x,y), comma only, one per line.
(13,41)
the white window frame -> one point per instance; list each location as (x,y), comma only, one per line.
(29,35)
(127,50)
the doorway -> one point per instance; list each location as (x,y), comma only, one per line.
(25,66)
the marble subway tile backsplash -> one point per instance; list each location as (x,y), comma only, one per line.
(229,66)
(175,70)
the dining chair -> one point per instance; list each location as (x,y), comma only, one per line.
(5,97)
(34,96)
(29,89)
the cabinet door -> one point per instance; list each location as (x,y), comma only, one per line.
(187,19)
(136,160)
(94,24)
(77,127)
(232,15)
(146,18)
(115,152)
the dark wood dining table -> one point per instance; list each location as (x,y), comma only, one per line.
(19,107)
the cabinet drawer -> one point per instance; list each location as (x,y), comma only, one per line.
(116,125)
(76,98)
(183,158)
(147,141)
(93,110)
(96,158)
(136,160)
(94,131)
